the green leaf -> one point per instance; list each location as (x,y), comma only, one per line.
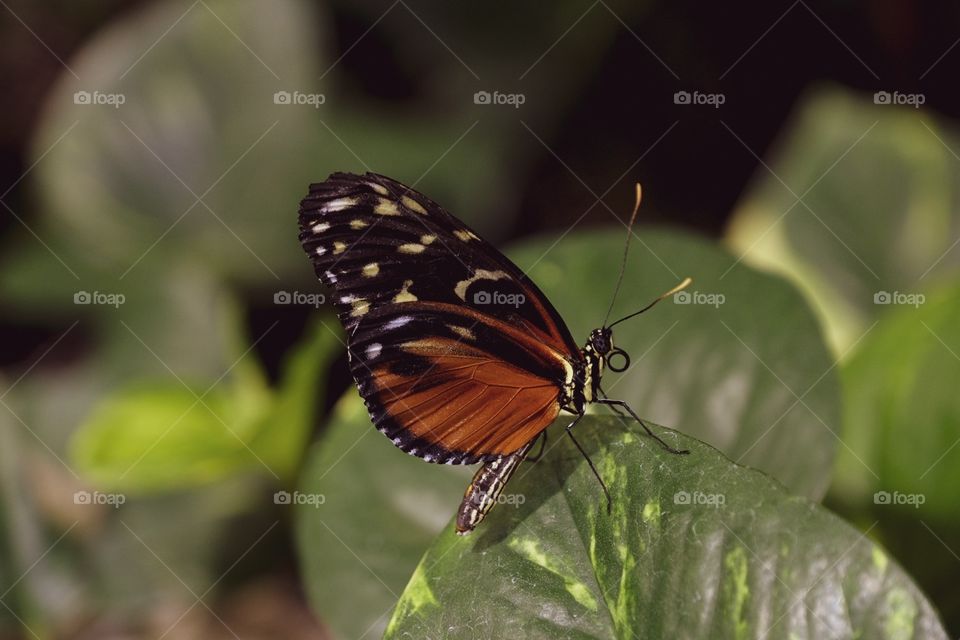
(695,546)
(742,366)
(165,435)
(282,440)
(901,388)
(879,210)
(158,436)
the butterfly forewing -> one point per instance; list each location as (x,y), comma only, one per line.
(457,354)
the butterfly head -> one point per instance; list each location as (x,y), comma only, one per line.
(601,343)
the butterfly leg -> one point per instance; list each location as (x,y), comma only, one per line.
(615,408)
(543,444)
(596,473)
(621,403)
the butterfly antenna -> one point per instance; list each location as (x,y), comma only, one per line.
(680,287)
(626,250)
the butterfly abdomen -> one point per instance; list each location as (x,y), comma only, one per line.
(485,489)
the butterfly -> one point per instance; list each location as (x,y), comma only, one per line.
(459,357)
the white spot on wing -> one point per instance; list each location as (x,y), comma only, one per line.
(339,247)
(339,205)
(379,188)
(371,270)
(331,276)
(396,323)
(320,227)
(357,224)
(411,248)
(373,350)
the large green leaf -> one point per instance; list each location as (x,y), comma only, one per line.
(900,387)
(699,374)
(879,209)
(694,547)
(742,366)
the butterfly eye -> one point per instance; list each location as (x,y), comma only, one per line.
(623,366)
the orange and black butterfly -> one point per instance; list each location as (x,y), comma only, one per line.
(459,357)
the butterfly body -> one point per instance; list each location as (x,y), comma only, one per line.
(459,357)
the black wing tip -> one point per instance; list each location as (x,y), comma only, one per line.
(339,180)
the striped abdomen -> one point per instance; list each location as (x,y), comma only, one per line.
(485,488)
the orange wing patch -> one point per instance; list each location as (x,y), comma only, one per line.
(468,401)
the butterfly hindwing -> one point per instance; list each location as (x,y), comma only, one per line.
(450,385)
(457,354)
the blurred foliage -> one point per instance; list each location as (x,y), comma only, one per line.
(184,198)
(913,402)
(679,353)
(693,547)
(876,255)
(381,508)
(186,437)
(878,209)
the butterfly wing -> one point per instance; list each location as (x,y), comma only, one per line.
(458,355)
